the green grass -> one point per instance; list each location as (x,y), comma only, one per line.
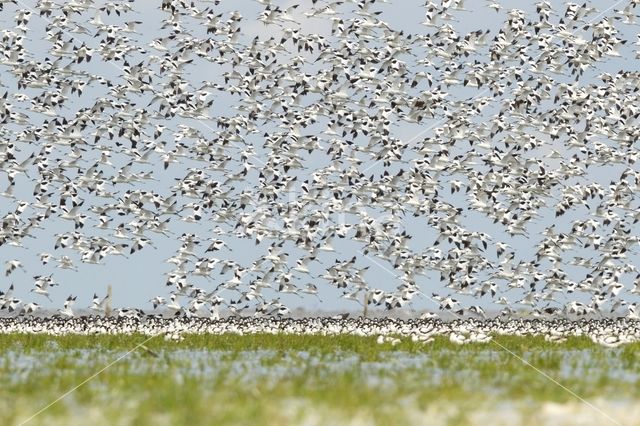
(267,379)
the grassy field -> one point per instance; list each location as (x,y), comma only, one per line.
(284,379)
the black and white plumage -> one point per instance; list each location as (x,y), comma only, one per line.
(496,166)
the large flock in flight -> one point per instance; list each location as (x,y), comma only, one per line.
(478,170)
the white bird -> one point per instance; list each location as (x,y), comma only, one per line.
(42,283)
(98,304)
(12,265)
(67,309)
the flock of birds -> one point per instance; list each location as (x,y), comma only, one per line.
(190,124)
(606,332)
